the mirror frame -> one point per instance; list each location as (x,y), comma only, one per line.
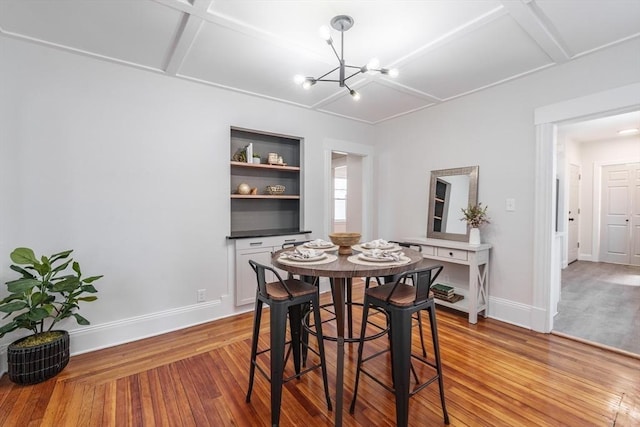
(472,172)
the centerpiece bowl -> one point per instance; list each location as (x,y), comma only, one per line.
(345,241)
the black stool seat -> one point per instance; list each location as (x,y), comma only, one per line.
(400,301)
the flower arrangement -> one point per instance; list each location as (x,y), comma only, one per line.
(475,216)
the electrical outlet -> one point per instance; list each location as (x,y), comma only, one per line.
(202,295)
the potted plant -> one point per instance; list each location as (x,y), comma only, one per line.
(45,294)
(256,158)
(475,216)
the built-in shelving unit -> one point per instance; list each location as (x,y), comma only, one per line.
(264,213)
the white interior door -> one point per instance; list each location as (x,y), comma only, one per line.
(635,215)
(573,226)
(620,223)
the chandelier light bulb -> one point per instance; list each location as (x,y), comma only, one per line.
(308,83)
(325,33)
(393,72)
(355,95)
(373,65)
(299,79)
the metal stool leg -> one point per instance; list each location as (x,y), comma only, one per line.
(295,326)
(363,329)
(278,337)
(431,309)
(424,349)
(257,316)
(323,362)
(401,350)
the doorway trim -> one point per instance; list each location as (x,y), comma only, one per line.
(546,264)
(366,152)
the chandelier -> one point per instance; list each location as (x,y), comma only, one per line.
(342,23)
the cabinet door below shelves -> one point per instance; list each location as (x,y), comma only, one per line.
(245,276)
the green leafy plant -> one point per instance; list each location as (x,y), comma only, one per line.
(46,293)
(475,216)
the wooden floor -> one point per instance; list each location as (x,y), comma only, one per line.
(495,375)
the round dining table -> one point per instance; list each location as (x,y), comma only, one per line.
(340,268)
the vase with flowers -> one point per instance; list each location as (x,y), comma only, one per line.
(475,216)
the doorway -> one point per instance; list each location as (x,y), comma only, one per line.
(547,243)
(359,196)
(347,189)
(598,295)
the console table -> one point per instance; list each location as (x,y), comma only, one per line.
(476,257)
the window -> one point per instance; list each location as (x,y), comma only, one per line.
(340,194)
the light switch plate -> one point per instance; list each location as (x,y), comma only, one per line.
(510,205)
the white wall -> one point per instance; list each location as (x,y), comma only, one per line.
(131,170)
(494,129)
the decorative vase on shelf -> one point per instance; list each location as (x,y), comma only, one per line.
(474,236)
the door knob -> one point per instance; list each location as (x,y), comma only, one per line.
(570,219)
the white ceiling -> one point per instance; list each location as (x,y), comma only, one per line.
(442,49)
(602,128)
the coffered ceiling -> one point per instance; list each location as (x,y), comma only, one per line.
(442,49)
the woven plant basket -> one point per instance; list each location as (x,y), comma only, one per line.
(31,365)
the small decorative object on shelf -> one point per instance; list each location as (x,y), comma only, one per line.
(249,152)
(445,293)
(256,158)
(475,216)
(276,159)
(240,155)
(275,189)
(244,189)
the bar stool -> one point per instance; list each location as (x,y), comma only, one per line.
(389,279)
(400,301)
(284,296)
(313,280)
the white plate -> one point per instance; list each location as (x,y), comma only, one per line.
(314,258)
(387,246)
(375,259)
(312,245)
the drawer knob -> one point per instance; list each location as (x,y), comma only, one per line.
(450,253)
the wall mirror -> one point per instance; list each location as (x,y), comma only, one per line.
(451,190)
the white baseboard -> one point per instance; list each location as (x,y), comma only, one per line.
(511,312)
(136,328)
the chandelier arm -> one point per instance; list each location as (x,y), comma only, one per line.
(335,51)
(326,74)
(354,74)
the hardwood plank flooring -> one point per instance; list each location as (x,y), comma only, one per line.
(495,374)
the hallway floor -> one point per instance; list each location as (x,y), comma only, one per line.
(600,302)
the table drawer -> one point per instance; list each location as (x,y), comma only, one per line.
(428,250)
(452,253)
